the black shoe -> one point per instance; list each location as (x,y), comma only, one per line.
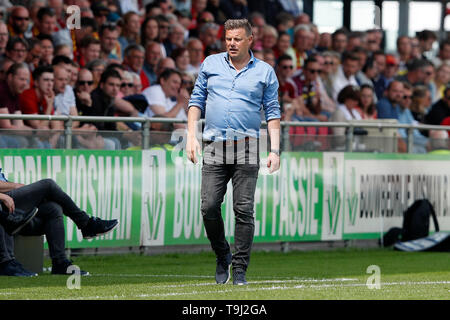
(62,266)
(9,268)
(239,278)
(97,226)
(223,269)
(14,222)
(24,271)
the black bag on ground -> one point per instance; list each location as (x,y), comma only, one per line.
(416,220)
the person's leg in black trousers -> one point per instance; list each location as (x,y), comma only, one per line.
(9,266)
(35,194)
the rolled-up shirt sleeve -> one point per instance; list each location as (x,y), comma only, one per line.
(199,94)
(271,104)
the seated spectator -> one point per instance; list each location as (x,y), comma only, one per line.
(416,72)
(286,89)
(165,63)
(17,80)
(4,36)
(283,44)
(347,109)
(345,74)
(34,54)
(40,100)
(196,55)
(130,30)
(97,67)
(149,31)
(18,22)
(160,97)
(306,86)
(440,110)
(152,57)
(387,107)
(175,39)
(444,53)
(17,49)
(367,105)
(181,58)
(127,85)
(105,102)
(404,49)
(441,80)
(47,49)
(110,47)
(133,60)
(90,49)
(387,76)
(405,117)
(49,203)
(421,101)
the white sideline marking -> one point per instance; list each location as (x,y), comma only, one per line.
(314,286)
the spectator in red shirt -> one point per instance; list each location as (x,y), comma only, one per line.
(39,99)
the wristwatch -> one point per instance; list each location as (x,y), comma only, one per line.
(277,152)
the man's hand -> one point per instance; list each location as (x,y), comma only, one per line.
(192,149)
(85,98)
(273,162)
(8,202)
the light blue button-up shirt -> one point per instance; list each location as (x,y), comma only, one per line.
(232,101)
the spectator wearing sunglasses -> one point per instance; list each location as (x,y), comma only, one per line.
(18,22)
(307,89)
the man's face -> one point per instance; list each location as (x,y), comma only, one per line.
(4,36)
(19,53)
(237,43)
(163,28)
(85,81)
(428,74)
(47,47)
(19,82)
(340,42)
(391,70)
(172,85)
(195,49)
(350,67)
(20,19)
(177,36)
(380,62)
(111,87)
(209,37)
(136,60)
(285,69)
(45,83)
(92,52)
(109,40)
(395,92)
(312,70)
(34,55)
(47,25)
(302,40)
(405,101)
(404,45)
(153,54)
(445,52)
(61,80)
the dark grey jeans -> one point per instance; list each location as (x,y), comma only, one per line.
(215,177)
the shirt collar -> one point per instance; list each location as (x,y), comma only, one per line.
(251,61)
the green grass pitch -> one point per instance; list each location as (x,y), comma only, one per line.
(296,275)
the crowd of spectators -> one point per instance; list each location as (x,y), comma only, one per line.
(141,58)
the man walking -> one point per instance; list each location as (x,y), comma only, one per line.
(230,90)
